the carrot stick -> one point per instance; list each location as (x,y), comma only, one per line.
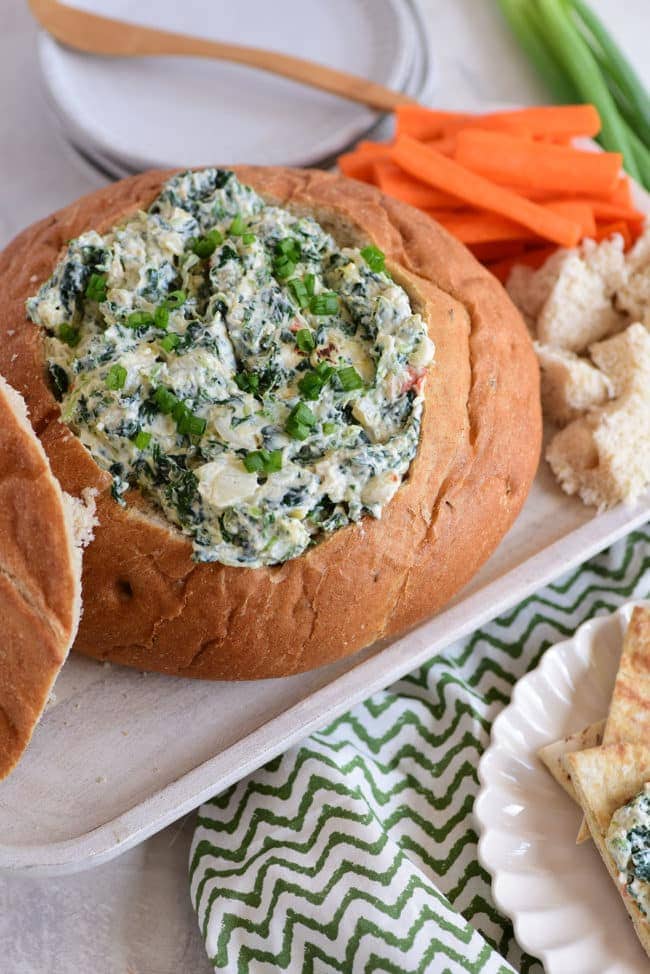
(442,173)
(578,211)
(623,192)
(358,163)
(497,250)
(355,166)
(446,144)
(395,182)
(551,120)
(519,162)
(478,227)
(604,210)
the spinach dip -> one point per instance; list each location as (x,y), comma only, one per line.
(256,381)
(628,842)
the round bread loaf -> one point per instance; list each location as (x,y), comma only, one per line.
(40,579)
(149,605)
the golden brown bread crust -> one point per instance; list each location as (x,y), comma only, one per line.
(149,605)
(40,572)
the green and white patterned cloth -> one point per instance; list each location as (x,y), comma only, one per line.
(356,850)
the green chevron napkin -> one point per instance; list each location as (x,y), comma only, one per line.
(356,851)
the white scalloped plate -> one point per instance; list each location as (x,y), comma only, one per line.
(562,902)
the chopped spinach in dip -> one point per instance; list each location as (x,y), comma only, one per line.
(259,383)
(628,842)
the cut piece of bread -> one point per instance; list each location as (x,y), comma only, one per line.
(579,308)
(633,296)
(530,289)
(629,710)
(570,384)
(148,604)
(552,755)
(604,456)
(606,778)
(40,577)
(625,360)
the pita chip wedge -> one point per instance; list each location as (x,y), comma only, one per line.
(41,534)
(552,755)
(629,710)
(606,779)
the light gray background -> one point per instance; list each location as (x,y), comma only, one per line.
(133,916)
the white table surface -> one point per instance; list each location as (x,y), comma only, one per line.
(133,915)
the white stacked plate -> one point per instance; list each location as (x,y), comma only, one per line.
(126,115)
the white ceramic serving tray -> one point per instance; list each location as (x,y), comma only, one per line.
(563,904)
(119,754)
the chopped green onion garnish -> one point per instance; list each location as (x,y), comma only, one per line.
(263,461)
(165,400)
(329,428)
(205,246)
(309,281)
(248,238)
(348,378)
(161,317)
(175,299)
(237,227)
(326,303)
(96,287)
(312,383)
(300,422)
(191,425)
(170,342)
(287,255)
(70,335)
(116,377)
(298,292)
(283,267)
(142,440)
(140,319)
(305,340)
(180,410)
(288,247)
(248,381)
(374,258)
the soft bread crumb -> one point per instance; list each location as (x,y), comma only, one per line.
(633,296)
(604,456)
(625,359)
(579,308)
(82,513)
(530,289)
(570,384)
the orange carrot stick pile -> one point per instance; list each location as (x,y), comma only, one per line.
(510,185)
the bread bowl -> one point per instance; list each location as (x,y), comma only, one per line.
(149,604)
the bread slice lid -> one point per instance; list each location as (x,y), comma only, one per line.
(605,779)
(40,577)
(552,755)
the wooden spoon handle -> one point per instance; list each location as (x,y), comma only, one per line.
(103,35)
